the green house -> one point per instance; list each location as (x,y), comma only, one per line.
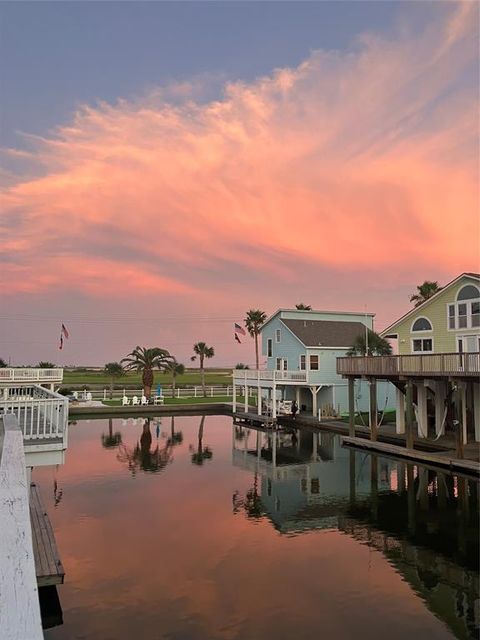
(449,322)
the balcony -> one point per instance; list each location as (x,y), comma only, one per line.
(425,365)
(253,377)
(12,375)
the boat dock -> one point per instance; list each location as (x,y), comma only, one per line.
(48,566)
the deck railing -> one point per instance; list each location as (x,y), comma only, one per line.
(41,414)
(252,376)
(20,374)
(434,364)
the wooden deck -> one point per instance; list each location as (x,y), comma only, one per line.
(254,419)
(48,566)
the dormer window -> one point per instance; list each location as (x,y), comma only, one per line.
(422,324)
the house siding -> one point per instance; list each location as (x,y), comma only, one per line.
(444,340)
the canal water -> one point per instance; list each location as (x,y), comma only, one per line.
(190,528)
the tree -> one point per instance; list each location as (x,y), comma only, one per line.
(202,351)
(46,365)
(3,363)
(254,321)
(113,370)
(424,292)
(146,360)
(377,346)
(240,365)
(303,307)
(175,369)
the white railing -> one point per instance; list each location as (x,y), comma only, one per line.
(41,414)
(252,376)
(20,374)
(166,392)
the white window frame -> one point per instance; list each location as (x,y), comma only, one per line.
(278,335)
(413,352)
(310,356)
(304,356)
(455,304)
(421,330)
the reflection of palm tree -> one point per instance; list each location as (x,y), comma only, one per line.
(252,503)
(142,456)
(202,453)
(176,437)
(111,440)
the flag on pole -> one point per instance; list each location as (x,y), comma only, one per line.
(63,333)
(239,329)
(60,346)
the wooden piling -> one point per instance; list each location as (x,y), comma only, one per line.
(351,407)
(373,410)
(409,414)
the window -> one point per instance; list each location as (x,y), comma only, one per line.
(420,345)
(465,313)
(279,364)
(303,363)
(269,347)
(278,335)
(422,324)
(314,363)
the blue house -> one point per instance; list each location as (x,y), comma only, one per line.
(301,348)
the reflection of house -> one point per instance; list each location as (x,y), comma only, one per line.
(301,348)
(305,482)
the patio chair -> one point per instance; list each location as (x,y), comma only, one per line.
(89,397)
(125,401)
(158,400)
(144,400)
(135,400)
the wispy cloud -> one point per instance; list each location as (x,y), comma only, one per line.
(356,159)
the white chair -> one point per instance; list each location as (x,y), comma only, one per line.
(158,400)
(125,401)
(144,400)
(135,400)
(75,395)
(89,397)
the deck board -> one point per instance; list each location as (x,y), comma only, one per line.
(48,566)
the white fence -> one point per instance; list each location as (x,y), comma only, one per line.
(166,392)
(41,414)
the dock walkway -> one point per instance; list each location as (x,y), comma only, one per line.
(48,566)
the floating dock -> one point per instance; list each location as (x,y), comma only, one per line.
(48,566)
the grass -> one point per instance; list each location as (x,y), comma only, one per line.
(389,417)
(198,400)
(189,378)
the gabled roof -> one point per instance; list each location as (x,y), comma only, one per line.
(420,307)
(325,333)
(303,313)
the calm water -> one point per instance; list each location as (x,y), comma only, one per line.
(230,536)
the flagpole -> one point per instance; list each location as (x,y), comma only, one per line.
(366,332)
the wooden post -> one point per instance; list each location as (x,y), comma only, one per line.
(259,395)
(246,398)
(409,415)
(351,407)
(234,398)
(373,410)
(457,412)
(400,411)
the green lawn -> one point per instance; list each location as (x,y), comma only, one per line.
(189,378)
(388,418)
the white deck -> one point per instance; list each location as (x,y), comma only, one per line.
(20,375)
(19,606)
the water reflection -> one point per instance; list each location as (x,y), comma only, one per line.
(111,440)
(202,452)
(143,456)
(424,522)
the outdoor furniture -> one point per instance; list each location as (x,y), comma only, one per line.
(144,400)
(125,401)
(89,397)
(135,400)
(158,400)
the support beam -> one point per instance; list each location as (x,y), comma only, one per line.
(422,417)
(259,395)
(246,397)
(457,417)
(463,395)
(351,407)
(234,398)
(409,414)
(314,402)
(400,411)
(274,401)
(476,409)
(373,410)
(440,397)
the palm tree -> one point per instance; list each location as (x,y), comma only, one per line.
(303,307)
(3,363)
(202,453)
(146,360)
(424,292)
(175,369)
(254,321)
(377,346)
(240,365)
(114,370)
(202,351)
(46,365)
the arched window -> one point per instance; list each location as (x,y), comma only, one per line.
(468,292)
(422,324)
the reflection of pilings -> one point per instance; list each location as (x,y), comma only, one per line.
(462,508)
(374,484)
(441,491)
(401,476)
(411,499)
(423,488)
(352,477)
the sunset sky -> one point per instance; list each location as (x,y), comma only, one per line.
(167,166)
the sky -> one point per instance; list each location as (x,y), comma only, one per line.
(168,166)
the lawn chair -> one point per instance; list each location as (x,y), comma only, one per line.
(125,401)
(89,397)
(158,400)
(144,400)
(135,400)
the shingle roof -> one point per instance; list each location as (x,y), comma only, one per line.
(325,333)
